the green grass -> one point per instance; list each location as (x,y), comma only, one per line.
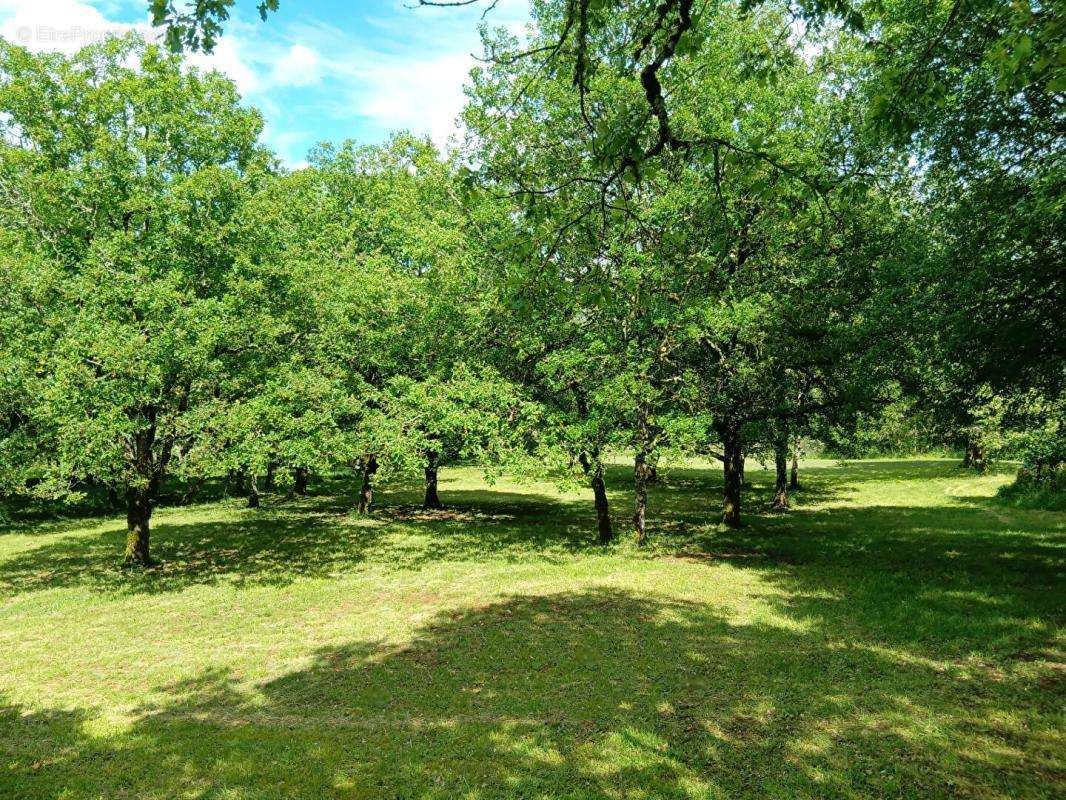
(897,635)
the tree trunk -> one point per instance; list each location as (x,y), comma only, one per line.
(975,456)
(594,469)
(269,478)
(432,499)
(193,489)
(781,464)
(138,515)
(641,472)
(366,492)
(300,480)
(253,491)
(743,463)
(732,464)
(794,481)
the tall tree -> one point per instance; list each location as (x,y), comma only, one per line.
(122,172)
(710,282)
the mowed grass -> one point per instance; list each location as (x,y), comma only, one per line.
(899,634)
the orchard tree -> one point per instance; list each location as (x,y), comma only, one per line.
(381,377)
(430,398)
(723,285)
(121,173)
(983,122)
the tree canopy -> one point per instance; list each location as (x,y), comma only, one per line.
(671,232)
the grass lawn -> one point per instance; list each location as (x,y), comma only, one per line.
(898,634)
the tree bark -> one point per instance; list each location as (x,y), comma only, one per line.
(975,456)
(794,483)
(743,464)
(269,478)
(641,472)
(138,516)
(732,463)
(253,491)
(366,492)
(594,469)
(781,464)
(432,500)
(300,480)
(150,467)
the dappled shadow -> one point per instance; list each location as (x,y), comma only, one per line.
(296,537)
(931,579)
(585,694)
(272,548)
(694,493)
(880,651)
(874,470)
(319,536)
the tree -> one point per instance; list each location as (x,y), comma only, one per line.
(725,285)
(982,120)
(380,375)
(121,173)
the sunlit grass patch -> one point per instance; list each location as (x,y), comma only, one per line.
(897,634)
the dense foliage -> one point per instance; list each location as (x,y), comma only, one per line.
(717,235)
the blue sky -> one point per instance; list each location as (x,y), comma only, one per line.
(317,69)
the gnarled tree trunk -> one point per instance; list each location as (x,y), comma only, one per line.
(975,456)
(366,491)
(138,517)
(432,500)
(141,495)
(732,464)
(193,489)
(300,480)
(594,469)
(253,491)
(641,474)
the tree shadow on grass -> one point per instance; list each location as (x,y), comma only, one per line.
(306,537)
(585,694)
(936,580)
(317,536)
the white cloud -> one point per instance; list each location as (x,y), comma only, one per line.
(298,67)
(290,146)
(229,58)
(404,72)
(58,25)
(419,95)
(68,25)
